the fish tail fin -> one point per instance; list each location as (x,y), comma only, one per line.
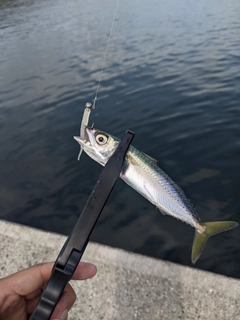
(80,152)
(211,228)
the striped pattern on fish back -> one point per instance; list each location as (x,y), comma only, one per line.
(136,157)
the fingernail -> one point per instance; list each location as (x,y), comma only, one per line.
(63,316)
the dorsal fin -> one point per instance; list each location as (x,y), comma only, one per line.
(149,157)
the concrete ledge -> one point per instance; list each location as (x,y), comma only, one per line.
(127,286)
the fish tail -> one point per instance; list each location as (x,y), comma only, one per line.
(80,152)
(211,228)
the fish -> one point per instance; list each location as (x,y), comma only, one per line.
(142,173)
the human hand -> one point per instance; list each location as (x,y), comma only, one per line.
(20,292)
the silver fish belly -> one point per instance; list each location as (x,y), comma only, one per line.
(143,175)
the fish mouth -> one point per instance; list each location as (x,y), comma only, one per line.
(81,143)
(86,138)
(79,140)
(86,142)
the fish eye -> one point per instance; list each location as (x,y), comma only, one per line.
(101,139)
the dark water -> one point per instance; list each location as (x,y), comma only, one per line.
(172,76)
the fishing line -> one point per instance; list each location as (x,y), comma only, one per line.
(105,55)
(90,106)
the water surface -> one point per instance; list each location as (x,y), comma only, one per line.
(172,76)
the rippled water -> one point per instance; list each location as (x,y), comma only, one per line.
(172,76)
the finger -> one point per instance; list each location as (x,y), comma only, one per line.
(84,271)
(31,305)
(65,303)
(29,280)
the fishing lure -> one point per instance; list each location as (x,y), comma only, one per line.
(86,114)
